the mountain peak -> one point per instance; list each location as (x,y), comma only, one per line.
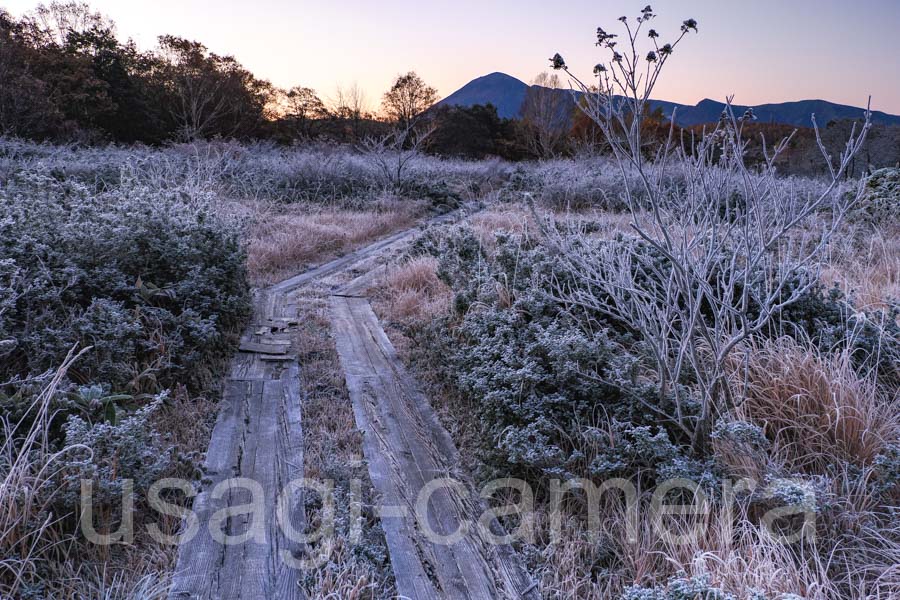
(498,76)
(504,91)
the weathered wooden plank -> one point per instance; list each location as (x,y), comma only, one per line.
(200,559)
(289,467)
(257,348)
(257,436)
(406,448)
(232,571)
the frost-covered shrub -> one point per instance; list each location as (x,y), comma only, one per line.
(532,378)
(881,203)
(625,450)
(887,469)
(698,587)
(570,184)
(314,173)
(109,453)
(543,383)
(802,493)
(830,320)
(153,281)
(741,434)
(680,588)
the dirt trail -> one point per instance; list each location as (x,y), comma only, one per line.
(258,435)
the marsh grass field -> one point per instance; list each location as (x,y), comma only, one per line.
(147,258)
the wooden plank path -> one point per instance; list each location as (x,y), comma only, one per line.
(258,436)
(407,448)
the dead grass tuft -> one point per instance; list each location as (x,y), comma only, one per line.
(508,218)
(413,292)
(867,268)
(816,408)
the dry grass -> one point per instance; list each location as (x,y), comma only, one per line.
(724,546)
(815,407)
(519,219)
(412,291)
(284,241)
(29,466)
(867,267)
(333,451)
(508,218)
(826,421)
(35,542)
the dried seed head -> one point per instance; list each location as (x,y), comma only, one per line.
(557,62)
(603,37)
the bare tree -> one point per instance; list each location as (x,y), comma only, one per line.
(392,153)
(350,104)
(198,89)
(718,251)
(211,94)
(54,23)
(546,114)
(408,98)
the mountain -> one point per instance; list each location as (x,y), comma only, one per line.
(505,92)
(508,93)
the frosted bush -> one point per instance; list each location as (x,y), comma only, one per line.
(153,280)
(109,453)
(680,588)
(315,173)
(881,202)
(539,378)
(563,184)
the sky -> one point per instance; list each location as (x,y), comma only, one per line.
(760,51)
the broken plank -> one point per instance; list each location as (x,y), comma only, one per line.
(257,348)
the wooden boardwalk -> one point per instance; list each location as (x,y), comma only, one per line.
(258,436)
(406,448)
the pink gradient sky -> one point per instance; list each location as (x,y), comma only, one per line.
(761,51)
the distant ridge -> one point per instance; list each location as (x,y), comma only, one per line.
(507,94)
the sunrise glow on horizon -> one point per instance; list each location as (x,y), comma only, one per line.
(766,51)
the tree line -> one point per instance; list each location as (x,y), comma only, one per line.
(66,76)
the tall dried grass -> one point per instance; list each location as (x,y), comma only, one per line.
(33,539)
(29,464)
(867,266)
(413,292)
(815,407)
